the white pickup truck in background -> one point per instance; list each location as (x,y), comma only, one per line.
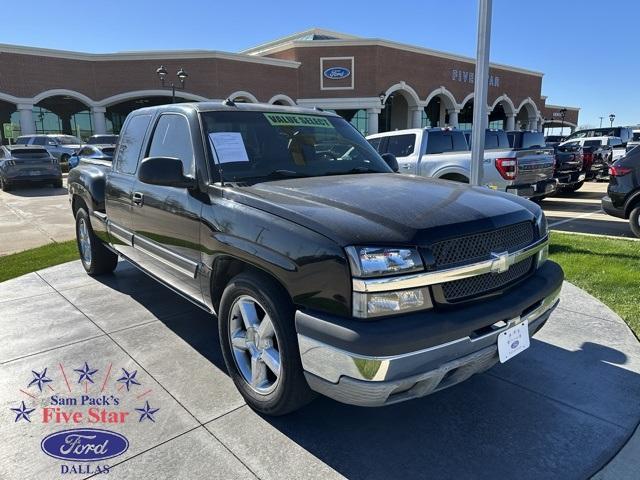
(444,153)
(619,149)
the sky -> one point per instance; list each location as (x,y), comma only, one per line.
(585,49)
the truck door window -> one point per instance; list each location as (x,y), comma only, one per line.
(401,145)
(171,138)
(39,140)
(491,140)
(131,141)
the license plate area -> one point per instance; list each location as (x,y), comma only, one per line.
(513,341)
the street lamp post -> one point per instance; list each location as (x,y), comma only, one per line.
(382,96)
(182,77)
(601,121)
(563,112)
(612,117)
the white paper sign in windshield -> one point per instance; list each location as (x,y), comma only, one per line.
(229,147)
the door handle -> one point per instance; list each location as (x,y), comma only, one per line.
(138,198)
(406,166)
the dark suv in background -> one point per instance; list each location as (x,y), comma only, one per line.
(623,194)
(59,146)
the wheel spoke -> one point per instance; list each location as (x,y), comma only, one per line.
(258,372)
(239,340)
(271,358)
(265,330)
(248,313)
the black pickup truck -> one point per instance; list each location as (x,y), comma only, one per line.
(569,167)
(327,271)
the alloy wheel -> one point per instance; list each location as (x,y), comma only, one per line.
(254,344)
(84,241)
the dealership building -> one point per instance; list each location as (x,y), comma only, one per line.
(378,85)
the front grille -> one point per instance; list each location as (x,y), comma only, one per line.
(478,247)
(482,284)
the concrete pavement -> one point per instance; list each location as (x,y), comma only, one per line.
(31,217)
(561,409)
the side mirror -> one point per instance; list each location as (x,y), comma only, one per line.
(52,143)
(164,171)
(390,159)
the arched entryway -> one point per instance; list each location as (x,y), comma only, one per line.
(9,119)
(441,104)
(527,116)
(63,114)
(465,117)
(401,109)
(502,114)
(116,113)
(243,97)
(283,100)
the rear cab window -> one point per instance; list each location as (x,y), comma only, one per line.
(446,141)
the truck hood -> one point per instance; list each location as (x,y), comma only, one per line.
(386,208)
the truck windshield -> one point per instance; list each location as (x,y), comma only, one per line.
(256,146)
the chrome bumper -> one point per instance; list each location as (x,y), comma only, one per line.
(376,381)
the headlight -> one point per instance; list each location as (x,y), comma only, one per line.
(380,261)
(367,305)
(541,223)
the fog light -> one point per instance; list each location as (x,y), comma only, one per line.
(367,305)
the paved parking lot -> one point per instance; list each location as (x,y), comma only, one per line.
(30,217)
(559,410)
(580,212)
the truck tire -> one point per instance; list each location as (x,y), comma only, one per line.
(634,221)
(260,346)
(96,258)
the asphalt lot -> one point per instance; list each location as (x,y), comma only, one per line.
(30,217)
(559,410)
(580,212)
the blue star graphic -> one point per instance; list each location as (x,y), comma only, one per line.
(128,378)
(147,412)
(85,373)
(23,412)
(39,379)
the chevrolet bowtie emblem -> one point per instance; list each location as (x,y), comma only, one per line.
(501,262)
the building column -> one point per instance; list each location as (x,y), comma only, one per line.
(372,120)
(442,118)
(415,113)
(453,118)
(539,125)
(531,125)
(99,120)
(27,124)
(511,122)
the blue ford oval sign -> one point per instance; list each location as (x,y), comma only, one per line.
(84,444)
(515,344)
(337,73)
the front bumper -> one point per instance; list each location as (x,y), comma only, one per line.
(538,189)
(609,208)
(396,359)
